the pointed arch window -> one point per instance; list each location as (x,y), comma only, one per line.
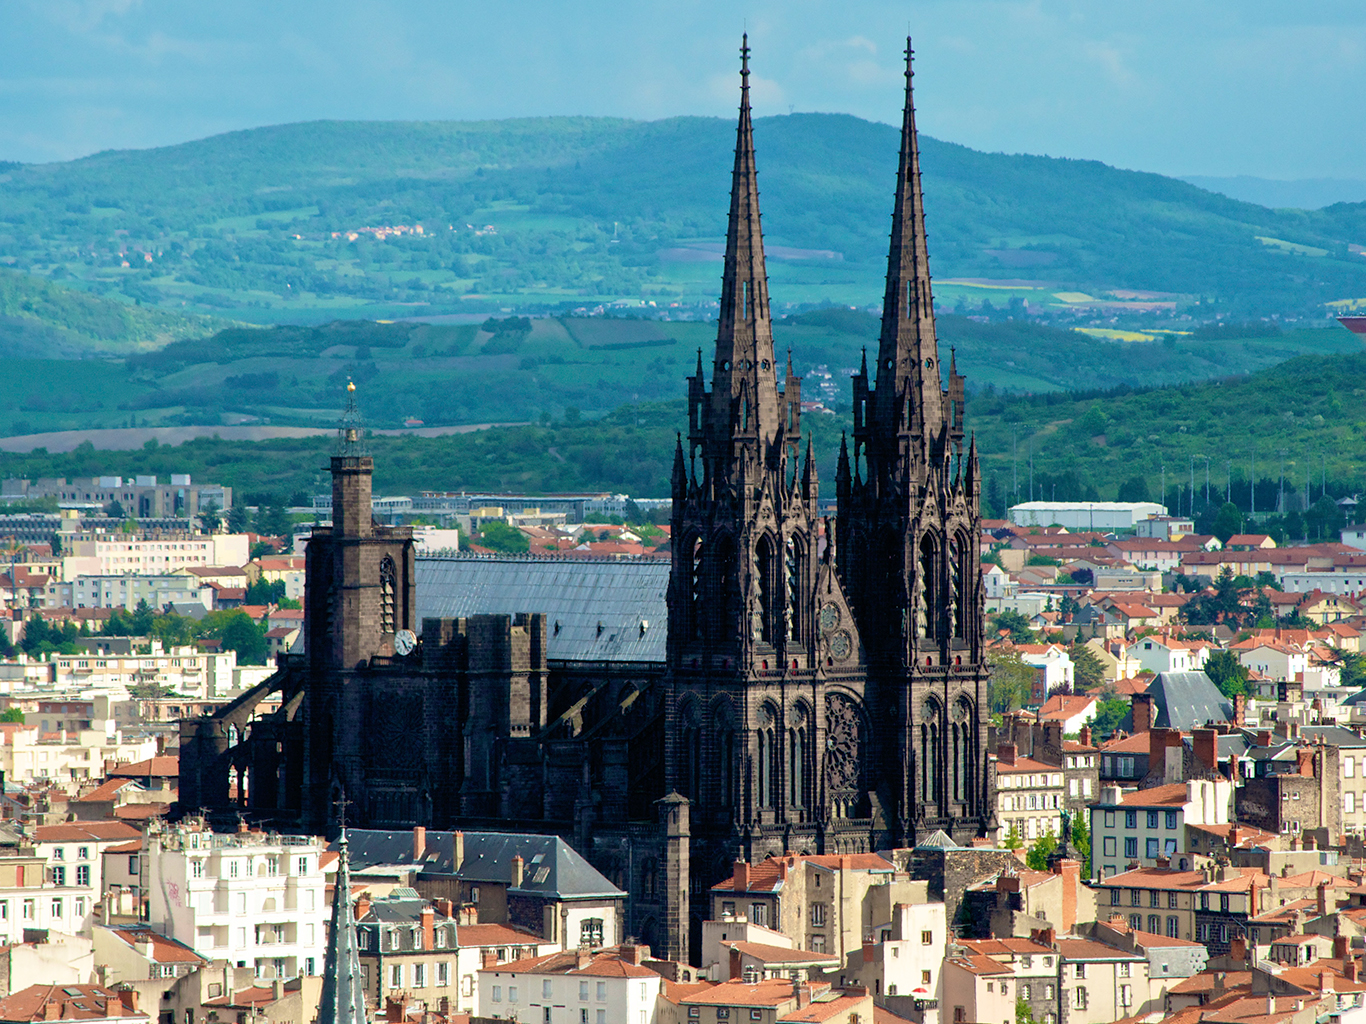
(795,565)
(725,757)
(725,601)
(797,744)
(960,566)
(769,742)
(770,593)
(388,595)
(695,587)
(690,754)
(929,589)
(744,411)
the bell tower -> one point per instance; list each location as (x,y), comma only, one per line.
(908,528)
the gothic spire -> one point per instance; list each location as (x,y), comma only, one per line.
(908,354)
(744,377)
(343,995)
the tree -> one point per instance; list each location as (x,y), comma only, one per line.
(1087,670)
(1228,522)
(114,509)
(1012,840)
(1036,857)
(1110,712)
(141,622)
(244,636)
(6,648)
(211,516)
(1023,1014)
(1081,842)
(274,521)
(1133,489)
(499,536)
(1016,623)
(1011,681)
(12,715)
(1227,673)
(265,591)
(238,520)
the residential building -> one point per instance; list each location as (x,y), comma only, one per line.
(45,957)
(1297,787)
(128,953)
(1029,795)
(1098,982)
(905,954)
(979,989)
(606,986)
(1053,663)
(1210,906)
(1033,966)
(1140,827)
(1170,960)
(127,591)
(1124,758)
(67,758)
(1156,653)
(52,1004)
(776,1001)
(201,675)
(1072,712)
(478,943)
(1278,662)
(117,554)
(406,945)
(820,902)
(1020,901)
(250,897)
(536,882)
(74,854)
(143,497)
(715,960)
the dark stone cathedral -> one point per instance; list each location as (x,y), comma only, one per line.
(785,684)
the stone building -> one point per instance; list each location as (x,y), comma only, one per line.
(785,685)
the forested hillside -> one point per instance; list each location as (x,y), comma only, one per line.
(299,222)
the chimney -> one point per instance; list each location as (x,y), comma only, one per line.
(1043,936)
(445,908)
(741,876)
(583,956)
(517,865)
(1006,752)
(1322,904)
(1349,968)
(631,953)
(458,857)
(1239,710)
(1325,981)
(736,970)
(419,843)
(1085,735)
(803,993)
(1270,1005)
(1263,737)
(428,928)
(489,959)
(1237,949)
(469,914)
(277,990)
(1204,744)
(1305,756)
(362,905)
(1142,705)
(129,998)
(1340,944)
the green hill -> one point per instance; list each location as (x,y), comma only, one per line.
(43,320)
(546,212)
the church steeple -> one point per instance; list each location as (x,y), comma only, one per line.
(744,378)
(909,396)
(343,992)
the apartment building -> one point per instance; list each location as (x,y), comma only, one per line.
(252,898)
(477,944)
(67,758)
(34,897)
(406,945)
(145,497)
(192,673)
(1137,828)
(118,554)
(1029,794)
(1099,983)
(74,855)
(606,986)
(1032,964)
(906,949)
(821,902)
(128,591)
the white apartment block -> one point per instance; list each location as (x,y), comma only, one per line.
(186,670)
(75,867)
(1160,654)
(67,758)
(1138,827)
(116,554)
(906,953)
(251,898)
(125,591)
(1029,795)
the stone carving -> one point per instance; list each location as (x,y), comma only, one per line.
(843,745)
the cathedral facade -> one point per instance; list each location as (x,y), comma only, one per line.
(818,686)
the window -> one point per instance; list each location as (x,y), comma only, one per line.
(1171,901)
(723,1013)
(1114,897)
(602,991)
(1171,819)
(1025,991)
(758,914)
(1349,802)
(590,932)
(497,993)
(583,991)
(1136,922)
(1204,901)
(727,909)
(924,978)
(694,1012)
(1109,819)
(57,908)
(927,938)
(1081,998)
(196,869)
(1152,819)
(59,875)
(583,1015)
(1172,927)
(396,977)
(443,974)
(1131,819)
(1154,926)
(1154,898)
(818,944)
(1347,767)
(1080,970)
(1048,992)
(58,853)
(1135,898)
(419,975)
(512,992)
(547,988)
(1124,966)
(1223,902)
(1131,846)
(1107,846)
(1151,851)
(818,914)
(1126,995)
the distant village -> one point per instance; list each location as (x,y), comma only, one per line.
(1179,785)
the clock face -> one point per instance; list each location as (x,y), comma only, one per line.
(830,617)
(404,642)
(841,644)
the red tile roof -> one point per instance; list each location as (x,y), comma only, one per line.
(157,767)
(85,832)
(64,1003)
(164,950)
(494,935)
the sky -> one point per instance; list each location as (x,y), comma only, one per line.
(1268,88)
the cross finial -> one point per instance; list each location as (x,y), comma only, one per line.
(340,805)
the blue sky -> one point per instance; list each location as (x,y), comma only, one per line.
(1258,87)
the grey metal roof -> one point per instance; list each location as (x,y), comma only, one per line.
(1185,701)
(1333,734)
(596,610)
(550,866)
(1355,698)
(1234,744)
(937,840)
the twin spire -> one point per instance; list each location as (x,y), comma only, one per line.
(908,394)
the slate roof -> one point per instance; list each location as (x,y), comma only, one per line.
(1185,701)
(609,610)
(551,867)
(1335,735)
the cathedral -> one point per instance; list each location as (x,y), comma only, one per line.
(786,683)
